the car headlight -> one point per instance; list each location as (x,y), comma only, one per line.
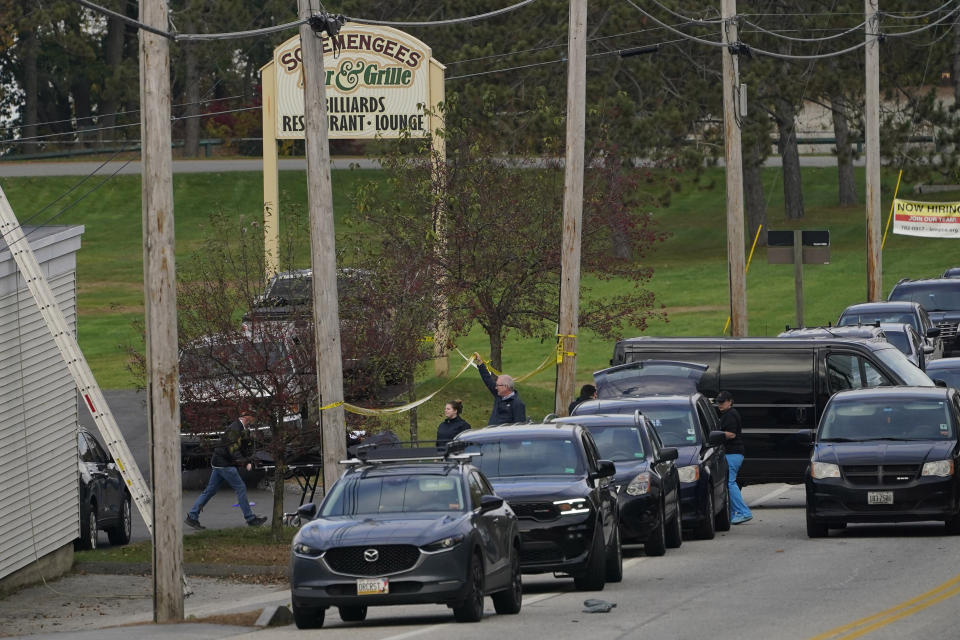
(639,485)
(572,507)
(942,468)
(690,473)
(822,470)
(444,544)
(306,550)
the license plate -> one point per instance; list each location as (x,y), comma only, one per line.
(371,586)
(879,497)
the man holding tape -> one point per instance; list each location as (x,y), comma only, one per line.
(507,405)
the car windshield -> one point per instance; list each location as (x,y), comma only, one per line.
(909,373)
(230,359)
(899,340)
(930,298)
(872,317)
(618,444)
(365,494)
(528,457)
(894,418)
(676,425)
(295,291)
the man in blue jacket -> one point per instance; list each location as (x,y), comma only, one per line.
(507,405)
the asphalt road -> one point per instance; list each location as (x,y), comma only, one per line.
(762,580)
(129,409)
(122,167)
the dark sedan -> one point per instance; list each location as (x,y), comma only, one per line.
(946,369)
(558,485)
(647,481)
(885,455)
(104,499)
(399,531)
(688,423)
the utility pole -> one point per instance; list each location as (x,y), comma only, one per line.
(326,313)
(872,140)
(572,206)
(736,266)
(160,300)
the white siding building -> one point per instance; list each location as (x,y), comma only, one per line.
(39,500)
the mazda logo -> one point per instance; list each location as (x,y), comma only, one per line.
(371,555)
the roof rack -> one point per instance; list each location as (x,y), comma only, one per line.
(368,454)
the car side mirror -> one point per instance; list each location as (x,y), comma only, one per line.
(928,348)
(489,503)
(940,383)
(933,332)
(667,454)
(307,511)
(806,436)
(716,438)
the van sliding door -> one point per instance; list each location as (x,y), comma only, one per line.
(773,389)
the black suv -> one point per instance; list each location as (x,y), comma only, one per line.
(559,487)
(104,499)
(940,297)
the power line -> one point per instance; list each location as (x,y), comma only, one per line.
(917,16)
(901,34)
(777,34)
(712,43)
(435,23)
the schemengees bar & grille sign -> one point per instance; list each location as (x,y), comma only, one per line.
(377,80)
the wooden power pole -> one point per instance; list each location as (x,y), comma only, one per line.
(326,312)
(160,298)
(736,264)
(872,140)
(572,205)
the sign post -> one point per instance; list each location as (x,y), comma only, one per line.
(798,248)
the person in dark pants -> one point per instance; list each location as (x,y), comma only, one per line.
(507,405)
(587,392)
(226,456)
(732,426)
(452,423)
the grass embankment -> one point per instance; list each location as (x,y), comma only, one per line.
(689,269)
(238,546)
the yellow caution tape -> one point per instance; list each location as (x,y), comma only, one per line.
(332,405)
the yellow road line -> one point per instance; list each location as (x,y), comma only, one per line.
(946,590)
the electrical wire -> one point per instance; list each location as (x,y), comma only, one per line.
(902,34)
(818,56)
(918,16)
(785,37)
(712,43)
(434,23)
(686,18)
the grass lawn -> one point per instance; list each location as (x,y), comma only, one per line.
(689,269)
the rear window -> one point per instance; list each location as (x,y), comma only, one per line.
(872,317)
(367,495)
(529,457)
(931,298)
(618,444)
(676,426)
(887,418)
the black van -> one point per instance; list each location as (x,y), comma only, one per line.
(780,386)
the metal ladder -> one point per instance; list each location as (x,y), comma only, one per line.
(12,233)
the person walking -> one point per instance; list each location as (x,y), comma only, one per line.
(226,456)
(587,392)
(452,423)
(732,427)
(507,405)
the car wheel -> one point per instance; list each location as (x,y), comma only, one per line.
(120,533)
(706,528)
(674,533)
(355,613)
(816,528)
(510,599)
(722,522)
(953,525)
(594,576)
(615,559)
(656,544)
(88,527)
(470,608)
(308,617)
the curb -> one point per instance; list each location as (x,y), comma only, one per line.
(190,569)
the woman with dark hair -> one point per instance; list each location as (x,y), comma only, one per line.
(452,423)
